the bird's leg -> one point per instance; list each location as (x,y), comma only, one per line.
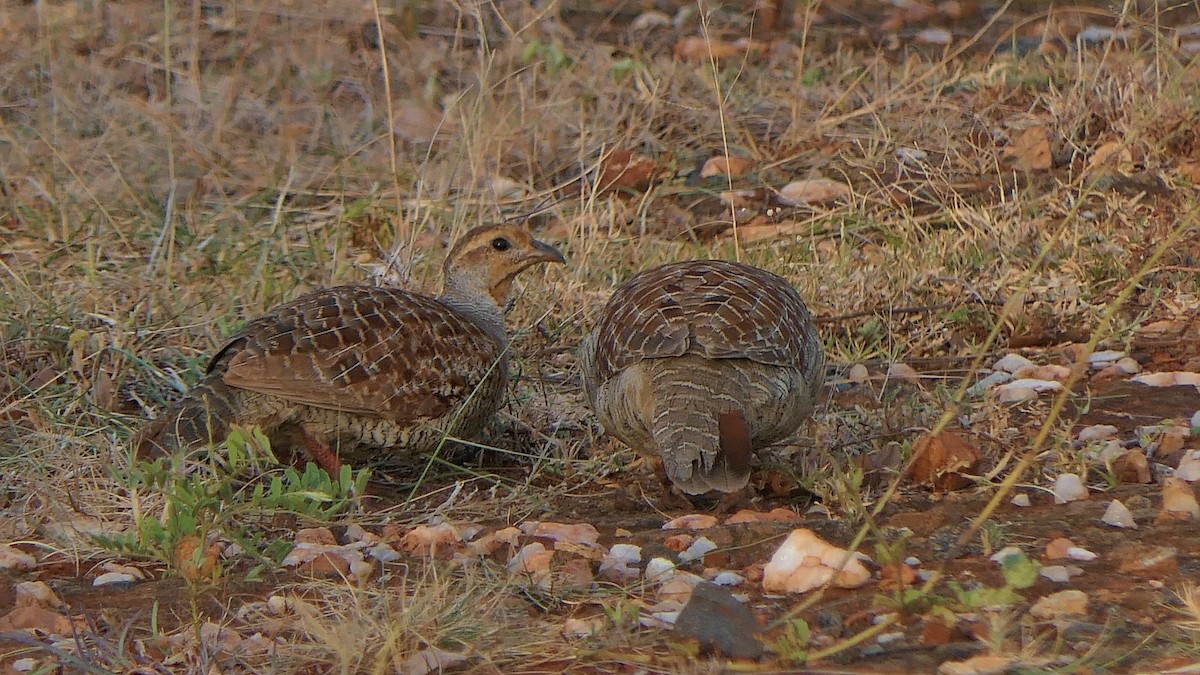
(323,455)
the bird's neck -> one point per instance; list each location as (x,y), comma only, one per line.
(477,305)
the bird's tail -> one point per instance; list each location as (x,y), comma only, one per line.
(705,441)
(201,418)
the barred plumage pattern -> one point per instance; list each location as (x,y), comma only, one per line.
(365,368)
(703,362)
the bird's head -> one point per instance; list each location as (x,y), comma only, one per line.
(488,258)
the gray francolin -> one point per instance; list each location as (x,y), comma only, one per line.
(364,369)
(703,363)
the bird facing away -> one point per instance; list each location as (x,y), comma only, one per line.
(703,363)
(364,368)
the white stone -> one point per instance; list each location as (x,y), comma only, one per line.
(699,548)
(1005,553)
(1103,359)
(113,578)
(1189,466)
(1010,394)
(1059,574)
(1011,363)
(1097,432)
(659,570)
(1021,500)
(1118,515)
(1068,487)
(1077,553)
(1129,366)
(804,561)
(988,382)
(729,579)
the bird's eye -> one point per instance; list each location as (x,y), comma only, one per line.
(501,244)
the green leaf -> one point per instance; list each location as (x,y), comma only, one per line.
(1019,570)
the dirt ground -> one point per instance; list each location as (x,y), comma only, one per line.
(977,144)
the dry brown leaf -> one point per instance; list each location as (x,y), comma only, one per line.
(1030,150)
(429,660)
(702,49)
(1132,467)
(893,577)
(1111,156)
(191,565)
(1189,171)
(35,618)
(622,169)
(942,460)
(1057,549)
(813,191)
(104,393)
(722,165)
(420,123)
(750,233)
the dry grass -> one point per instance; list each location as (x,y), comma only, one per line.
(168,175)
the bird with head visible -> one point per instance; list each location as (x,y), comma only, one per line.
(365,369)
(703,363)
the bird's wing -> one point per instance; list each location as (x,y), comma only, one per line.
(713,308)
(366,350)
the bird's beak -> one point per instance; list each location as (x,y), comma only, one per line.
(547,253)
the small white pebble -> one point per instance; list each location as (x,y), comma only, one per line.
(1189,466)
(1097,432)
(1196,421)
(1156,584)
(911,156)
(887,638)
(1102,359)
(1068,487)
(659,570)
(1011,363)
(1112,449)
(912,561)
(24,665)
(1056,573)
(113,579)
(988,382)
(1021,500)
(1129,366)
(1011,394)
(1078,553)
(1008,551)
(384,553)
(858,373)
(728,579)
(697,550)
(1118,515)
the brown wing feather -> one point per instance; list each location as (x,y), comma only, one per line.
(714,308)
(360,349)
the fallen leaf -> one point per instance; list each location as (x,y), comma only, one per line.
(722,165)
(1030,150)
(697,48)
(429,660)
(943,460)
(1132,467)
(813,191)
(693,521)
(576,533)
(623,170)
(1179,498)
